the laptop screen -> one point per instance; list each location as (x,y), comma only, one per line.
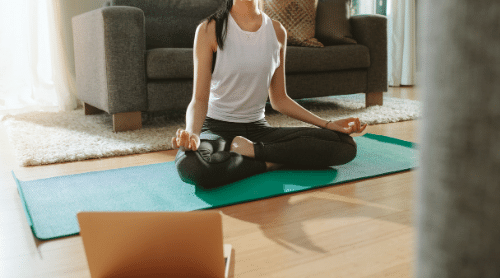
(153,244)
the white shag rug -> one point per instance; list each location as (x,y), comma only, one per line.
(46,137)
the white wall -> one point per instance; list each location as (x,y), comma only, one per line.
(68,9)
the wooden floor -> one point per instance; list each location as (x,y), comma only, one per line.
(358,229)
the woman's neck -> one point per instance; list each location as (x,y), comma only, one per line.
(246,8)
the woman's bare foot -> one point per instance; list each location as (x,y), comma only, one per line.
(271,166)
(242,146)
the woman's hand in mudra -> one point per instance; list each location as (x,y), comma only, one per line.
(185,140)
(347,126)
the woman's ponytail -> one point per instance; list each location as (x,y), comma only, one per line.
(221,18)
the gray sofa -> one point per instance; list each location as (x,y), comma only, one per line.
(134,56)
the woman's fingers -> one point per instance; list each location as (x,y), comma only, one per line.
(193,146)
(354,126)
(193,142)
(350,125)
(354,123)
(174,143)
(359,128)
(185,139)
(349,129)
(180,139)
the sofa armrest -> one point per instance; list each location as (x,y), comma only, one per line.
(110,47)
(371,31)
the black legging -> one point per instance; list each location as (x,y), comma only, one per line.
(213,165)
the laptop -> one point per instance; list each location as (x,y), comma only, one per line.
(155,244)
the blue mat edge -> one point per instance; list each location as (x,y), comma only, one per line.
(391,140)
(308,189)
(25,208)
(381,138)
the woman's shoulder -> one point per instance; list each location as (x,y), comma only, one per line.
(280,31)
(208,29)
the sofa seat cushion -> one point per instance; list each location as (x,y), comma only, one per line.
(328,58)
(171,63)
(168,63)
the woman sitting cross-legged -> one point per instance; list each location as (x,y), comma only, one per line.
(227,137)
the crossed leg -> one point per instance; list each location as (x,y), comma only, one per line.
(297,146)
(245,147)
(216,163)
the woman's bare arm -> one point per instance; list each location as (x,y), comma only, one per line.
(281,102)
(204,46)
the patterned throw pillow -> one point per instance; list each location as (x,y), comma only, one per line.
(332,22)
(298,17)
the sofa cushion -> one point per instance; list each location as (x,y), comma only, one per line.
(298,17)
(171,23)
(332,22)
(328,58)
(168,63)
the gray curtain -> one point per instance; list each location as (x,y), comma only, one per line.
(458,193)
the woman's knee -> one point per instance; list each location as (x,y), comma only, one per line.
(340,148)
(191,168)
(195,167)
(343,151)
(348,154)
(208,170)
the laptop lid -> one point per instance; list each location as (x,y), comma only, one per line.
(153,244)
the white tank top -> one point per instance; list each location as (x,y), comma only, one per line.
(243,71)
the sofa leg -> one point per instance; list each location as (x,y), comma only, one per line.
(127,121)
(372,99)
(91,110)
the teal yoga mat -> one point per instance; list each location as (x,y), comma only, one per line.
(51,204)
